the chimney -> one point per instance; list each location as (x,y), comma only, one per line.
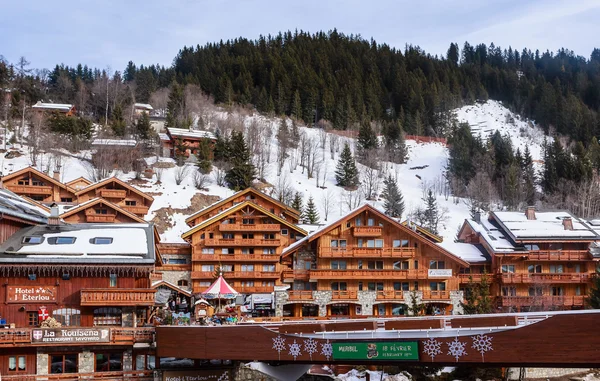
(54,219)
(56,175)
(530,213)
(567,223)
(477,217)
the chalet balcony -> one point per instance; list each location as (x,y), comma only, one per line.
(255,289)
(118,335)
(111,193)
(134,375)
(236,257)
(291,275)
(300,295)
(542,302)
(343,295)
(117,297)
(369,252)
(100,218)
(31,189)
(367,231)
(204,275)
(210,275)
(436,295)
(466,278)
(136,209)
(545,278)
(242,242)
(558,255)
(368,274)
(249,228)
(390,295)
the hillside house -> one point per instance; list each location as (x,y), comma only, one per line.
(40,187)
(60,108)
(176,139)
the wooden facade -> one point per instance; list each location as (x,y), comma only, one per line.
(99,210)
(119,193)
(368,251)
(38,186)
(252,195)
(245,242)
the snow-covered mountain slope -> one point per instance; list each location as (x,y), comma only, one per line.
(424,169)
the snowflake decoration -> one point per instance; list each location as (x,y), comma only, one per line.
(295,350)
(432,348)
(482,344)
(310,347)
(327,349)
(279,344)
(456,349)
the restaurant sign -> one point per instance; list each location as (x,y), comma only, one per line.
(70,335)
(392,350)
(31,294)
(439,273)
(197,375)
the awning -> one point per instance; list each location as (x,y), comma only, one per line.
(220,289)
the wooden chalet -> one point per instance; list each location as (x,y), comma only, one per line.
(99,210)
(252,195)
(38,186)
(17,213)
(59,108)
(245,243)
(92,279)
(539,260)
(367,264)
(79,183)
(119,193)
(175,138)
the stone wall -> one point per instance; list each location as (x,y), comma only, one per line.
(42,363)
(244,373)
(456,297)
(366,299)
(281,298)
(545,373)
(86,362)
(174,276)
(322,298)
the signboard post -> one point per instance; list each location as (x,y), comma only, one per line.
(389,350)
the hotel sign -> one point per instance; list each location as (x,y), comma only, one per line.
(31,294)
(394,350)
(70,335)
(197,375)
(439,273)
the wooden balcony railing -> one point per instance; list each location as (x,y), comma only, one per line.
(369,252)
(558,255)
(343,295)
(236,257)
(545,278)
(436,295)
(251,275)
(117,297)
(111,193)
(465,278)
(296,274)
(31,189)
(542,301)
(249,228)
(241,242)
(156,276)
(253,289)
(118,335)
(390,295)
(137,209)
(203,275)
(100,218)
(368,274)
(367,231)
(137,375)
(300,295)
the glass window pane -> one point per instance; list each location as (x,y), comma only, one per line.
(140,363)
(22,363)
(12,363)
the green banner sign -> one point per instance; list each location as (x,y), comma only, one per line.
(391,350)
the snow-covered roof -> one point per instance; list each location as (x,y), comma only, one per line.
(114,142)
(82,243)
(164,137)
(546,225)
(144,106)
(493,236)
(64,107)
(16,206)
(194,134)
(468,252)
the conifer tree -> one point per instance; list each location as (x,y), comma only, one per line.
(175,106)
(311,215)
(297,202)
(346,173)
(367,139)
(142,127)
(394,201)
(204,153)
(394,141)
(431,213)
(242,171)
(594,296)
(297,106)
(118,123)
(221,150)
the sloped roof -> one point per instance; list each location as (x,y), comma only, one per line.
(192,134)
(235,208)
(101,183)
(256,192)
(170,285)
(38,173)
(546,226)
(100,200)
(18,207)
(64,107)
(290,249)
(81,178)
(145,106)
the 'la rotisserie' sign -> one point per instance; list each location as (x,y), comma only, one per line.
(30,294)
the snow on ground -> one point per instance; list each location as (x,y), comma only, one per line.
(355,375)
(425,169)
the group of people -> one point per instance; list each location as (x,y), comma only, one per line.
(218,320)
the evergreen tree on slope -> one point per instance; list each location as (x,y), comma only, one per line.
(311,215)
(346,173)
(242,172)
(394,201)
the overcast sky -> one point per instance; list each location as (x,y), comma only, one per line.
(112,32)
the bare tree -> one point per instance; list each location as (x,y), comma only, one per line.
(159,100)
(181,173)
(352,199)
(312,152)
(334,145)
(158,171)
(323,138)
(481,193)
(327,200)
(219,172)
(283,190)
(200,180)
(370,177)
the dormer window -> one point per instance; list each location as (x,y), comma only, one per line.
(61,240)
(37,183)
(33,240)
(130,202)
(101,211)
(101,240)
